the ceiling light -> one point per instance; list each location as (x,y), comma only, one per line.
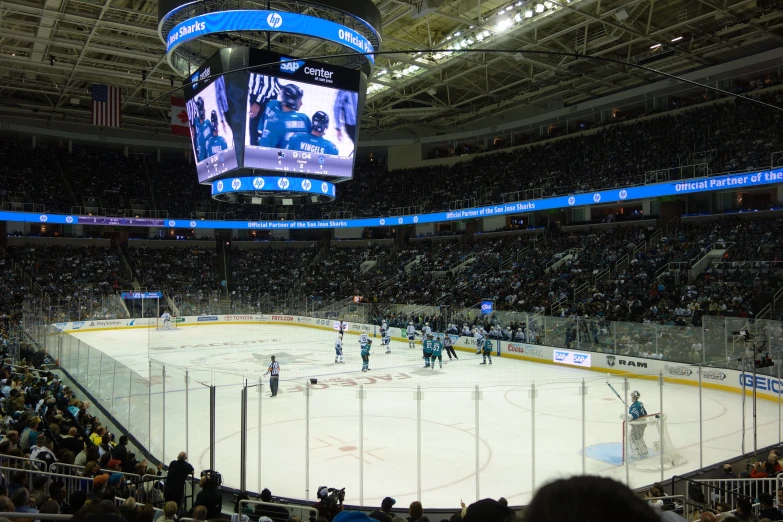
(655,46)
(480,37)
(519,4)
(504,24)
(486,33)
(677,39)
(539,8)
(471,41)
(548,4)
(528,13)
(518,17)
(457,33)
(471,27)
(509,8)
(383,71)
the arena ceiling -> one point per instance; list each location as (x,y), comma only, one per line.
(51,51)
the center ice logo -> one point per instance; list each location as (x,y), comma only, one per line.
(258,183)
(236,183)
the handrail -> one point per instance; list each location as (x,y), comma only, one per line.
(306,509)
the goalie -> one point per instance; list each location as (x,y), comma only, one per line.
(166,320)
(638,448)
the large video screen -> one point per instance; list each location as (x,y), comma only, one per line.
(302,117)
(211,134)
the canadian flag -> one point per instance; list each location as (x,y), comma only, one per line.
(179,117)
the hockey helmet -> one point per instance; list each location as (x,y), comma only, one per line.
(635,395)
(202,114)
(429,335)
(213,118)
(320,121)
(292,96)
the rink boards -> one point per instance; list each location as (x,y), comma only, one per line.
(769,388)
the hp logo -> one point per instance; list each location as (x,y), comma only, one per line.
(306,185)
(220,186)
(258,183)
(571,200)
(192,224)
(274,20)
(43,218)
(399,221)
(596,197)
(324,187)
(172,223)
(236,183)
(415,219)
(69,219)
(623,194)
(383,221)
(283,183)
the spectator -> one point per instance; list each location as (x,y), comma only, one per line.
(590,499)
(415,511)
(275,513)
(127,458)
(146,513)
(72,443)
(169,512)
(98,485)
(327,505)
(767,509)
(38,492)
(488,510)
(209,496)
(21,499)
(29,435)
(199,513)
(744,511)
(178,472)
(44,451)
(386,509)
(50,507)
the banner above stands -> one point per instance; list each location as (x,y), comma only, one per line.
(679,373)
(670,188)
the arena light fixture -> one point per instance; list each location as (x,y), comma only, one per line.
(677,39)
(457,34)
(480,37)
(548,4)
(655,46)
(518,17)
(486,33)
(528,13)
(504,24)
(509,8)
(539,8)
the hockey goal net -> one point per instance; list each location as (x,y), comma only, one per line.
(172,325)
(645,439)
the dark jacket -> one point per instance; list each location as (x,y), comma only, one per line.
(771,513)
(211,499)
(178,473)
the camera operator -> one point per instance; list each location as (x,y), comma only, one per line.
(330,502)
(210,496)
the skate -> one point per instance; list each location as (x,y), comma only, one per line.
(490,362)
(335,360)
(482,363)
(388,351)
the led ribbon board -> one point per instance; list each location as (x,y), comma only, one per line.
(669,188)
(267,184)
(264,20)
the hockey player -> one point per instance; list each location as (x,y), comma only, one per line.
(203,130)
(385,336)
(635,411)
(166,320)
(363,339)
(427,347)
(314,142)
(448,345)
(366,355)
(411,335)
(479,336)
(426,331)
(437,349)
(282,119)
(487,351)
(342,326)
(338,350)
(216,144)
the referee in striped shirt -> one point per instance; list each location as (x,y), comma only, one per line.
(274,369)
(261,89)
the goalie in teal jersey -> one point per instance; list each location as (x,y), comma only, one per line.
(437,350)
(486,351)
(366,355)
(428,345)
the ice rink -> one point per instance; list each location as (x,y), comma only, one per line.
(511,462)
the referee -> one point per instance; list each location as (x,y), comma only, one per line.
(274,369)
(261,89)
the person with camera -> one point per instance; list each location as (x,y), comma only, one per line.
(210,496)
(330,502)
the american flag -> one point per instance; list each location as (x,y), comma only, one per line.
(105,106)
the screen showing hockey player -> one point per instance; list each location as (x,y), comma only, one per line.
(210,129)
(302,117)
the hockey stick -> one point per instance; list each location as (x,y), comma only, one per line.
(615,392)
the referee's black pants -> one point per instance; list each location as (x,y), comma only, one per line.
(273,382)
(450,351)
